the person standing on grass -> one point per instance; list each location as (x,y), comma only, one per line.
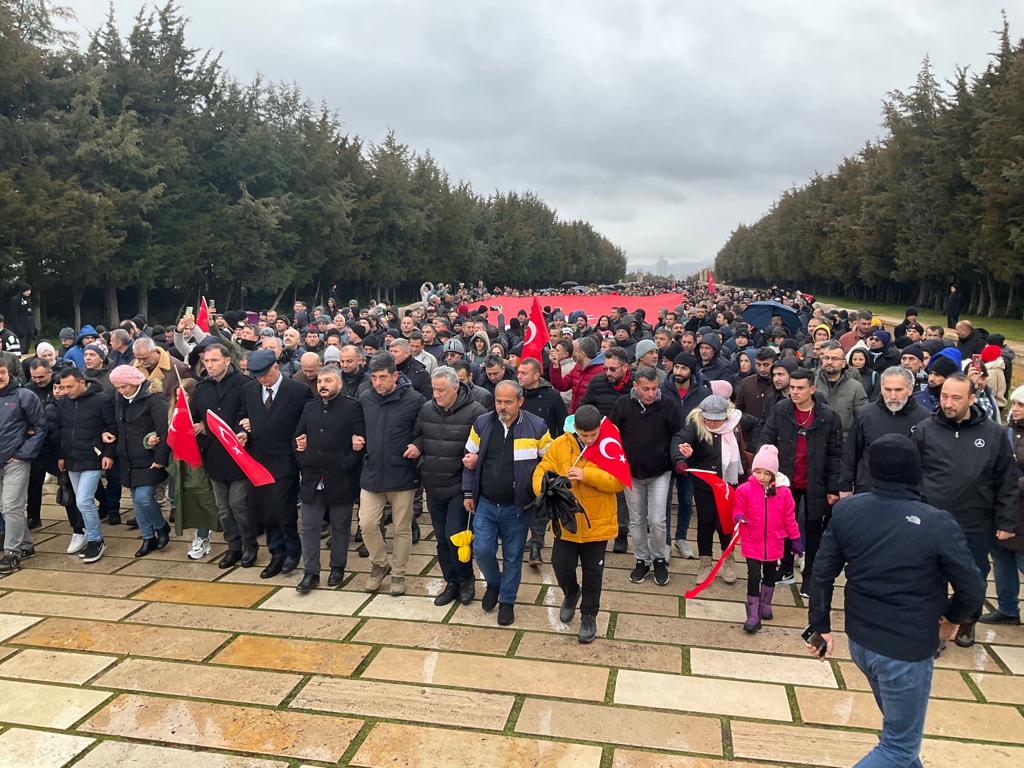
(899,554)
(595,526)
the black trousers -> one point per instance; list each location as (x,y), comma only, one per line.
(276,506)
(707,519)
(755,569)
(36,476)
(564,557)
(811,531)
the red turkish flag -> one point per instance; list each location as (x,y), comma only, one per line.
(607,454)
(256,472)
(203,316)
(724,495)
(711,283)
(536,334)
(180,436)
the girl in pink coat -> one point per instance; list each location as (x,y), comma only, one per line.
(764,505)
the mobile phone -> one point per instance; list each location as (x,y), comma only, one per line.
(976,362)
(815,640)
(188,310)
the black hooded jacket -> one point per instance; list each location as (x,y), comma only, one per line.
(545,402)
(441,437)
(871,422)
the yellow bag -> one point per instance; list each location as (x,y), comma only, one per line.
(462,540)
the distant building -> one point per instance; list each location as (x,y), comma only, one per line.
(661,268)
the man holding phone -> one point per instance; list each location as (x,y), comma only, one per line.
(899,553)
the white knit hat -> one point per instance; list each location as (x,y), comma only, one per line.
(1018,395)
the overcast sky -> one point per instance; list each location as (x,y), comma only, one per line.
(663,123)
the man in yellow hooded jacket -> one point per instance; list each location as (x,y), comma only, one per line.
(595,489)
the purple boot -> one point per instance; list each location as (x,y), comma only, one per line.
(753,622)
(766,602)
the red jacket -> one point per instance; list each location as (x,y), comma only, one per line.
(760,538)
(576,379)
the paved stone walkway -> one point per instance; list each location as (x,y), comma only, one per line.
(163,662)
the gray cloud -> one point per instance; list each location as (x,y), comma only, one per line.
(663,123)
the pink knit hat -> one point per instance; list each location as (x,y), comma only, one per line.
(722,388)
(767,458)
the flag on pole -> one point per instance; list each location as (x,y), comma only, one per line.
(203,316)
(180,436)
(606,453)
(536,334)
(256,472)
(711,282)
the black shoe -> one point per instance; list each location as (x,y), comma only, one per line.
(535,558)
(9,563)
(661,572)
(506,614)
(490,599)
(621,544)
(33,523)
(132,523)
(965,635)
(639,573)
(230,558)
(114,518)
(467,591)
(336,576)
(148,545)
(163,535)
(359,535)
(415,532)
(310,581)
(25,554)
(588,629)
(450,593)
(289,564)
(568,611)
(249,557)
(93,551)
(363,551)
(273,568)
(998,617)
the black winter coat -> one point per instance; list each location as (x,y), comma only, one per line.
(329,458)
(272,432)
(82,422)
(417,375)
(441,437)
(602,395)
(136,419)
(969,469)
(646,432)
(871,422)
(824,450)
(224,398)
(390,423)
(545,402)
(22,424)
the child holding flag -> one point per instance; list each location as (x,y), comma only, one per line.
(595,489)
(765,509)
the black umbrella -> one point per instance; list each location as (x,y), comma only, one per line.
(759,315)
(556,502)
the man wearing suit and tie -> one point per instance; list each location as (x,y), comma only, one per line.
(272,405)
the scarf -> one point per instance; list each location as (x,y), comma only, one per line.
(731,462)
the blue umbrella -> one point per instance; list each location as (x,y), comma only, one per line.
(759,315)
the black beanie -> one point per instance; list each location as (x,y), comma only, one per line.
(893,458)
(943,366)
(685,358)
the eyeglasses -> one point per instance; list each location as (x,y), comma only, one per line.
(610,369)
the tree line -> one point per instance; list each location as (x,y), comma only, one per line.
(939,200)
(139,167)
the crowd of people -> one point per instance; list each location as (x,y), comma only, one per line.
(380,407)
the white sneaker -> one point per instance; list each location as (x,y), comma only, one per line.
(200,548)
(78,542)
(682,546)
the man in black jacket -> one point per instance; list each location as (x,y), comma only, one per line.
(220,390)
(41,381)
(971,472)
(894,412)
(809,436)
(899,553)
(20,317)
(410,367)
(540,399)
(390,407)
(350,360)
(442,428)
(84,414)
(329,464)
(271,407)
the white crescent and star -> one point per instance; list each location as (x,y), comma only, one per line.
(613,441)
(531,332)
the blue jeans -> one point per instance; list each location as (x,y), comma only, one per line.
(901,691)
(85,483)
(147,511)
(684,496)
(510,524)
(1008,565)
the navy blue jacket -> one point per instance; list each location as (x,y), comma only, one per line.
(899,554)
